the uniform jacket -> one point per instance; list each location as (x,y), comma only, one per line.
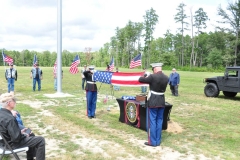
(89,86)
(174,79)
(34,72)
(9,74)
(9,127)
(157,83)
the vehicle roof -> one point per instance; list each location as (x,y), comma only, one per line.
(235,67)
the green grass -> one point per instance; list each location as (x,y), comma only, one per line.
(210,125)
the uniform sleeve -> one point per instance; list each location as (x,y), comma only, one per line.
(145,80)
(14,131)
(85,73)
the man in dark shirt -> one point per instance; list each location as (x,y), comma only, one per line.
(11,77)
(155,104)
(36,74)
(19,138)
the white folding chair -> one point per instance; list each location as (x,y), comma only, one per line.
(7,149)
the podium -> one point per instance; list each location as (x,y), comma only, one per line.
(134,113)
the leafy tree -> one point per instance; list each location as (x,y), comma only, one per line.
(150,21)
(181,17)
(231,17)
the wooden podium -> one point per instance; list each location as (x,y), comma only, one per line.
(134,113)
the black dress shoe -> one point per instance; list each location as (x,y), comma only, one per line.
(146,143)
(93,116)
(90,117)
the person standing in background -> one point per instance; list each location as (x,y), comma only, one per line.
(116,88)
(174,80)
(83,77)
(36,75)
(144,88)
(55,79)
(11,77)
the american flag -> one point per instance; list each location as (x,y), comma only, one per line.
(55,67)
(35,61)
(119,78)
(136,61)
(111,65)
(6,58)
(74,66)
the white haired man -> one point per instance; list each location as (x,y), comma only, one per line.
(19,138)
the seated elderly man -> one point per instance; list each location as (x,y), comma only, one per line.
(19,138)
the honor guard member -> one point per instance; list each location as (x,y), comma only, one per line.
(11,77)
(91,92)
(36,75)
(155,104)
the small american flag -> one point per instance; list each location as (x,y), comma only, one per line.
(105,99)
(74,66)
(111,65)
(136,61)
(6,58)
(35,61)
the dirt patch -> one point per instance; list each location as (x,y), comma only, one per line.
(174,127)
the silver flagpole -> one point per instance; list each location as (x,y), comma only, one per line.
(59,47)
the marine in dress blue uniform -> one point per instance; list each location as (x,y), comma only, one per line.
(91,92)
(155,104)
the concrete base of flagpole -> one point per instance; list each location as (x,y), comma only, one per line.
(58,95)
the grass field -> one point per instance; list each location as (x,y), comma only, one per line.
(209,126)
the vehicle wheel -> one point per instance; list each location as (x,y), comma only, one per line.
(229,94)
(211,90)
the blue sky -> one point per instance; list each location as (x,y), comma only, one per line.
(32,24)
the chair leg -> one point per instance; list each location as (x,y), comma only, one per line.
(16,156)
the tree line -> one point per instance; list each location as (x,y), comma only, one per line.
(200,49)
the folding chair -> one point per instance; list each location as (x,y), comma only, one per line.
(7,149)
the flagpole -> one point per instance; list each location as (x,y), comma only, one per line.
(3,60)
(59,46)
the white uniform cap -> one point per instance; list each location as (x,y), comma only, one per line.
(91,67)
(156,65)
(174,69)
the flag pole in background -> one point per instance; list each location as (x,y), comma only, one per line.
(59,46)
(3,59)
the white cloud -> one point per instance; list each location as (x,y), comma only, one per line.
(32,24)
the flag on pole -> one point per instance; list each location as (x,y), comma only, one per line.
(35,61)
(136,61)
(6,58)
(74,66)
(119,78)
(111,65)
(55,67)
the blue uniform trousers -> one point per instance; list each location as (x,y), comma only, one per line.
(91,103)
(10,84)
(38,80)
(154,125)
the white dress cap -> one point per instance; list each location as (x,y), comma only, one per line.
(156,64)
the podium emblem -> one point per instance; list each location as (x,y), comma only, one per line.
(131,112)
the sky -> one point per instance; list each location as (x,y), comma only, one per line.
(32,24)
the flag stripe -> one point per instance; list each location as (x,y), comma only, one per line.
(126,79)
